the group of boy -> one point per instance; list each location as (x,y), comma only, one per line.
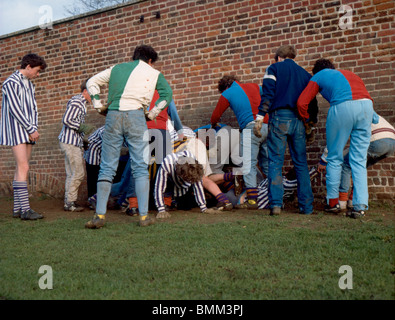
(280,112)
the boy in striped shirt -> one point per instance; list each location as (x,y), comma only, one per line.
(290,185)
(184,171)
(92,160)
(71,143)
(19,127)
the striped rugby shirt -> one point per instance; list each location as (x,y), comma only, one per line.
(19,116)
(167,170)
(72,120)
(93,155)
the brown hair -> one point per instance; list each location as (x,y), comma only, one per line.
(226,82)
(33,60)
(189,170)
(322,64)
(286,51)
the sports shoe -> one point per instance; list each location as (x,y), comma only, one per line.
(250,205)
(72,206)
(170,208)
(147,221)
(355,214)
(224,206)
(31,215)
(17,214)
(132,212)
(335,210)
(96,223)
(275,211)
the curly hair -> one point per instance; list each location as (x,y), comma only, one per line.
(226,82)
(322,64)
(33,60)
(189,170)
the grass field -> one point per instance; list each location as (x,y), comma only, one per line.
(241,255)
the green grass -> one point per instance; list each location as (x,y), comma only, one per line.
(256,258)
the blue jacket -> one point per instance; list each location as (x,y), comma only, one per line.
(282,85)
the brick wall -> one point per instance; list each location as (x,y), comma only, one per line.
(198,42)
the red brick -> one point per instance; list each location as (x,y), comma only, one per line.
(198,42)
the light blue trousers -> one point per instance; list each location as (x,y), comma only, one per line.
(254,152)
(129,126)
(377,151)
(350,119)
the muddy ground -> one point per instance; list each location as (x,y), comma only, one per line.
(52,209)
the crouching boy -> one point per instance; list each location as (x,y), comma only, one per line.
(184,171)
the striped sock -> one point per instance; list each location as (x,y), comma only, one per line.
(227,185)
(17,204)
(229,176)
(20,187)
(221,198)
(343,196)
(252,193)
(133,202)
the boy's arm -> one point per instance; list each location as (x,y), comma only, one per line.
(165,97)
(307,96)
(72,117)
(173,114)
(220,108)
(268,91)
(199,195)
(93,86)
(11,94)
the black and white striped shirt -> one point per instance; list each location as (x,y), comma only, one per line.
(167,171)
(19,116)
(73,117)
(93,155)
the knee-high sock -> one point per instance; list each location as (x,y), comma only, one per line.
(17,204)
(103,192)
(22,195)
(142,193)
